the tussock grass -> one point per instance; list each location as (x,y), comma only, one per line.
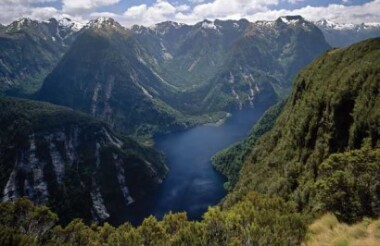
(329,231)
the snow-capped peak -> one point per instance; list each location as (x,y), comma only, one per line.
(20,23)
(332,25)
(103,22)
(328,24)
(165,27)
(70,24)
(206,24)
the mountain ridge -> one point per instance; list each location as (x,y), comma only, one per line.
(331,116)
(72,162)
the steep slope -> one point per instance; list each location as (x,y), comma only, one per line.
(71,162)
(158,79)
(29,50)
(341,35)
(189,56)
(230,160)
(224,65)
(102,74)
(334,108)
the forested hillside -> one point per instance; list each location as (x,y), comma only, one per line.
(320,154)
(71,162)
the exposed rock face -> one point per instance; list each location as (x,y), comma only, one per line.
(30,50)
(77,166)
(151,80)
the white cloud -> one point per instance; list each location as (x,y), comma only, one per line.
(162,10)
(18,2)
(197,1)
(79,6)
(103,14)
(225,9)
(298,1)
(15,9)
(183,7)
(142,14)
(368,12)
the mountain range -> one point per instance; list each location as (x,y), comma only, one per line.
(341,35)
(110,86)
(316,152)
(168,75)
(30,50)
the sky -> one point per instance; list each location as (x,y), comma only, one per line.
(150,12)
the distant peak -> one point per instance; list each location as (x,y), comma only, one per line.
(167,24)
(71,24)
(104,22)
(23,21)
(329,24)
(207,21)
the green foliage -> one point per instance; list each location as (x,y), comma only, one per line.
(334,108)
(29,52)
(31,128)
(22,223)
(230,160)
(348,184)
(255,220)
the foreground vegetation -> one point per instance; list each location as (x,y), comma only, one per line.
(326,140)
(255,220)
(329,231)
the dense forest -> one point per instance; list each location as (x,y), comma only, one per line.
(317,152)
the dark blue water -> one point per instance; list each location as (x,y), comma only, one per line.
(192,184)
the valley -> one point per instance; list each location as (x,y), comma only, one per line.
(192,184)
(220,132)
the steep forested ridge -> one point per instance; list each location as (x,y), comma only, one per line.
(230,161)
(71,162)
(334,108)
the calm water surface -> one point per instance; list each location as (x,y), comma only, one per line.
(192,184)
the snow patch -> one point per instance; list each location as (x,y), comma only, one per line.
(209,25)
(71,24)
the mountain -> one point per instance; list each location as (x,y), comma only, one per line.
(148,80)
(261,65)
(101,74)
(341,35)
(29,51)
(71,162)
(318,151)
(229,64)
(323,150)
